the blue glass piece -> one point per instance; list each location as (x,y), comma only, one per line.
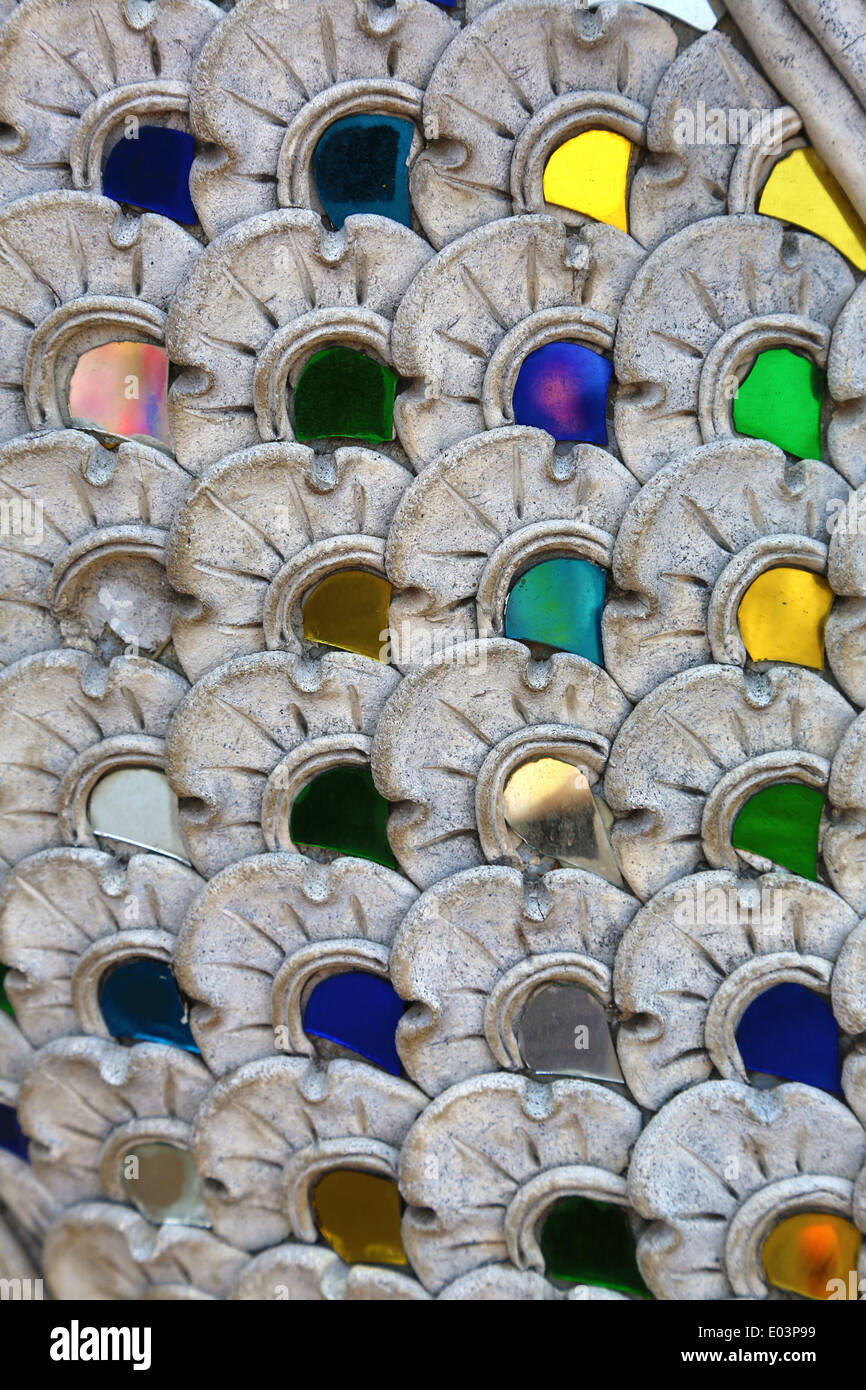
(152,171)
(12,1136)
(141,1002)
(360,1012)
(360,165)
(562,388)
(790,1031)
(559,603)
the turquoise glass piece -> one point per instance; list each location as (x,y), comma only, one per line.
(342,393)
(140,1002)
(359,1012)
(12,1137)
(562,388)
(341,810)
(359,165)
(790,1031)
(151,170)
(559,603)
(584,1241)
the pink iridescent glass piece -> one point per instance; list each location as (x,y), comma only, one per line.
(122,388)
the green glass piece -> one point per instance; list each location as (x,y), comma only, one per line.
(341,393)
(780,400)
(781,824)
(588,1242)
(341,810)
(4,998)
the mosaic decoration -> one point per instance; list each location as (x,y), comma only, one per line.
(433,650)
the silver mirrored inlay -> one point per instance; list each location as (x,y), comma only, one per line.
(564,1032)
(135,807)
(551,806)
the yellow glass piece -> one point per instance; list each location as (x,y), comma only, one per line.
(359,1216)
(802,190)
(349,610)
(783,614)
(551,806)
(804,1253)
(589,174)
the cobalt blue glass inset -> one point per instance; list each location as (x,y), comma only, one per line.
(360,1012)
(559,603)
(152,171)
(562,388)
(12,1136)
(140,1001)
(790,1031)
(360,165)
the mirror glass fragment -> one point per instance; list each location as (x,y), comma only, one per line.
(783,614)
(136,807)
(805,1252)
(359,1216)
(562,388)
(701,14)
(780,400)
(342,393)
(122,388)
(559,604)
(149,169)
(349,610)
(801,190)
(12,1137)
(361,165)
(4,998)
(359,1012)
(589,174)
(341,810)
(162,1181)
(789,1031)
(140,1002)
(564,1031)
(584,1241)
(551,806)
(780,823)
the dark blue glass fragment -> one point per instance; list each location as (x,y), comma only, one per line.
(12,1136)
(359,1012)
(141,1002)
(790,1031)
(359,165)
(562,388)
(151,171)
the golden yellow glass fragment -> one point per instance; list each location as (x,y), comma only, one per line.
(349,610)
(359,1216)
(782,617)
(550,804)
(805,1252)
(589,174)
(802,190)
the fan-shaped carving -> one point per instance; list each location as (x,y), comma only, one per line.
(843,840)
(697,748)
(846,380)
(477,712)
(276,73)
(253,732)
(472,950)
(266,296)
(720,1166)
(471,316)
(21,1191)
(478,516)
(271,1129)
(308,1273)
(260,529)
(693,541)
(264,931)
(68,915)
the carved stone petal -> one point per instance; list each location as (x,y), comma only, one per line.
(238,725)
(846,378)
(710,1150)
(849,982)
(64,914)
(685,737)
(698,310)
(16,1262)
(263,930)
(678,538)
(466,938)
(469,318)
(307,1273)
(505,1284)
(457,709)
(491,1154)
(264,297)
(844,837)
(16,1054)
(846,571)
(256,525)
(693,959)
(267,1131)
(102,1251)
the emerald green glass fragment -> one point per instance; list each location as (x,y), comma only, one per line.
(341,393)
(588,1242)
(780,401)
(341,810)
(781,824)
